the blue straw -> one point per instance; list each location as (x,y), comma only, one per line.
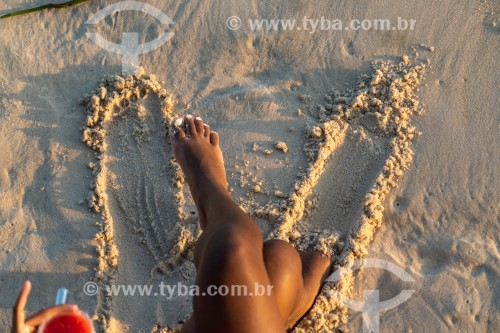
(62,294)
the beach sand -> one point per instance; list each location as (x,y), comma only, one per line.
(362,144)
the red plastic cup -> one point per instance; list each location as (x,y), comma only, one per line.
(68,323)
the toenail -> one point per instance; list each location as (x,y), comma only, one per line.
(198,118)
(178,122)
(189,116)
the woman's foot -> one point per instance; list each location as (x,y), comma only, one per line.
(316,267)
(297,277)
(197,150)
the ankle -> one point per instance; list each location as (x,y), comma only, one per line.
(219,204)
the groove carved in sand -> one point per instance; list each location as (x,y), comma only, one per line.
(381,108)
(374,121)
(138,185)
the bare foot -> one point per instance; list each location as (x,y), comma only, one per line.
(297,277)
(315,269)
(197,150)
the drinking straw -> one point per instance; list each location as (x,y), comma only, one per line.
(62,295)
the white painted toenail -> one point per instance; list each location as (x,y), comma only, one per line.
(178,122)
(198,118)
(189,116)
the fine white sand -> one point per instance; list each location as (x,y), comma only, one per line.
(365,144)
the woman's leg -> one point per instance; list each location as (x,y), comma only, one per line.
(231,251)
(296,276)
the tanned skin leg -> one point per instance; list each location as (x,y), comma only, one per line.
(231,250)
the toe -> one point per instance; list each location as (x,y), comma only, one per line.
(207,131)
(214,138)
(179,134)
(198,122)
(178,129)
(190,126)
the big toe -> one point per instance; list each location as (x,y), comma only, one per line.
(178,129)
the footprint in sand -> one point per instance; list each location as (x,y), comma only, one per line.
(353,169)
(146,232)
(365,136)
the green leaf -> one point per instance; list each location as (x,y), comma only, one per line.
(47,6)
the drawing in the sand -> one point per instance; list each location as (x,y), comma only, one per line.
(148,230)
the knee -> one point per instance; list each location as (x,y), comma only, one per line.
(281,256)
(277,248)
(230,246)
